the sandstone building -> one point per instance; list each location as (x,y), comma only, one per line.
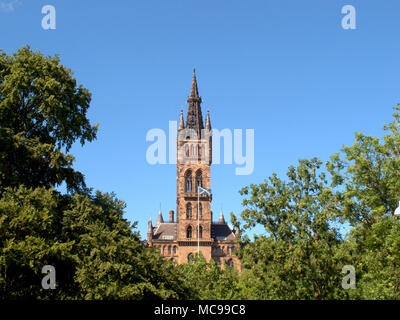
(194,229)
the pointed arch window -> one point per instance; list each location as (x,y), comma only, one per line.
(191,150)
(188,181)
(200,232)
(189,211)
(230,263)
(199,180)
(187,150)
(200,210)
(189,232)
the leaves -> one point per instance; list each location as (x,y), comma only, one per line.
(42,111)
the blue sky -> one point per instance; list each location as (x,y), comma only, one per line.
(286,69)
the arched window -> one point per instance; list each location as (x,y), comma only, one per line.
(202,152)
(229,263)
(190,257)
(199,180)
(191,150)
(214,250)
(169,250)
(200,232)
(188,181)
(200,210)
(228,251)
(188,211)
(174,249)
(187,150)
(189,232)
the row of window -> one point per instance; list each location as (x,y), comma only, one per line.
(221,250)
(189,211)
(188,181)
(167,250)
(194,150)
(189,232)
(229,263)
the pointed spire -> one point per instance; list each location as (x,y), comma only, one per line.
(181,122)
(221,218)
(208,121)
(194,92)
(160,218)
(194,119)
(150,226)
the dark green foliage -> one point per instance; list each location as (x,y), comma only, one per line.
(42,110)
(298,257)
(96,252)
(302,254)
(208,282)
(99,255)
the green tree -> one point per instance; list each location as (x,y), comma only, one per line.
(42,112)
(207,281)
(96,252)
(299,257)
(368,175)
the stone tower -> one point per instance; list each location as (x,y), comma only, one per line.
(194,148)
(194,229)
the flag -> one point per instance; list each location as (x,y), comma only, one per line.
(204,190)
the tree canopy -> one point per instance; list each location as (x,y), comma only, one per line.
(321,217)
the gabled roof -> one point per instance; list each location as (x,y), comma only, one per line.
(222,232)
(165,231)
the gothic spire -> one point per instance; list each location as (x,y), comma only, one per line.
(181,122)
(160,218)
(194,92)
(194,118)
(221,219)
(150,226)
(208,121)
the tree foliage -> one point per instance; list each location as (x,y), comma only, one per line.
(297,258)
(42,111)
(98,254)
(303,252)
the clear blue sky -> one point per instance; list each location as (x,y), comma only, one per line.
(286,69)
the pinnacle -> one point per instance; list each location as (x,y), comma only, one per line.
(194,92)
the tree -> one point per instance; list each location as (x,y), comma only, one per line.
(207,281)
(299,257)
(97,253)
(42,112)
(368,174)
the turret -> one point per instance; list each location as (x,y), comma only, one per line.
(159,219)
(221,219)
(150,231)
(181,122)
(208,121)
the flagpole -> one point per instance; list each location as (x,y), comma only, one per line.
(198,220)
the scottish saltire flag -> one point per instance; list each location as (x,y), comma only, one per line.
(204,190)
